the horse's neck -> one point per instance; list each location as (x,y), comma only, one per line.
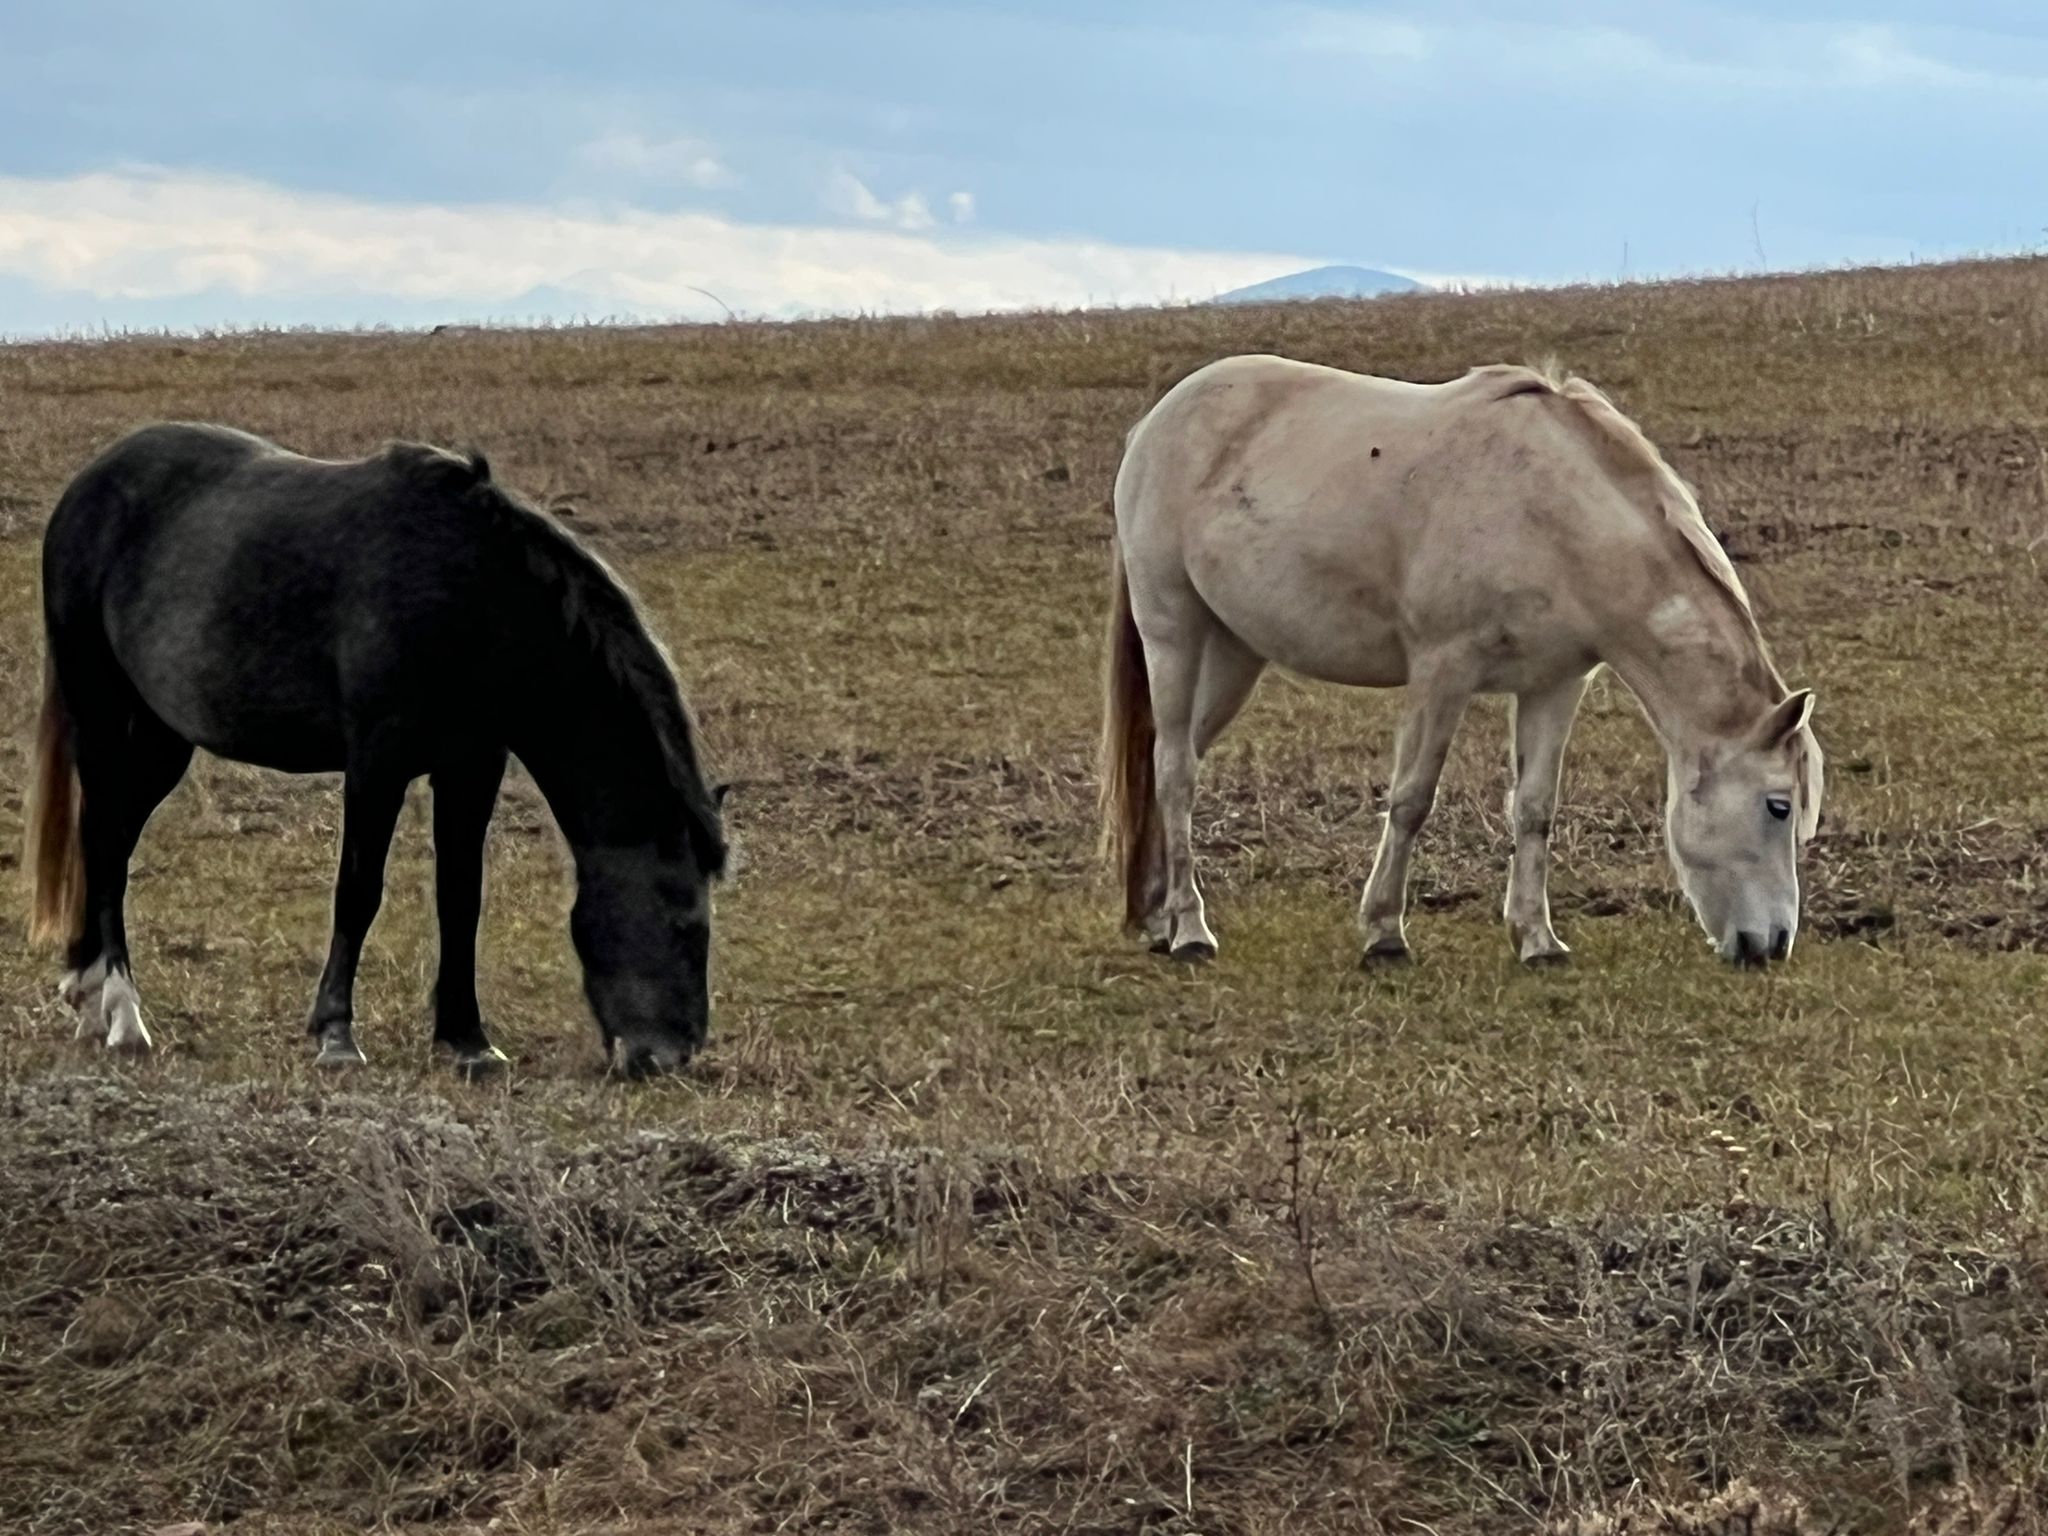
(593,755)
(1695,662)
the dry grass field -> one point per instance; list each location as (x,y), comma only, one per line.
(974,1216)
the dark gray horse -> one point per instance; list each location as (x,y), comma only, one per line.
(397,616)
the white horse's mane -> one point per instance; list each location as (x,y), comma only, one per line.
(1680,507)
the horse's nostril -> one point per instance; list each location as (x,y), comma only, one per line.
(1749,949)
(1781,943)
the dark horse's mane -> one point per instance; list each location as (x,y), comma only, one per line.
(604,622)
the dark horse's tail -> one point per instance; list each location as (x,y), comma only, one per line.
(54,859)
(1130,817)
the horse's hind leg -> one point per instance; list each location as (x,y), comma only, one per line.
(1185,928)
(1435,706)
(1175,627)
(1225,677)
(1230,670)
(1543,720)
(128,761)
(464,794)
(372,797)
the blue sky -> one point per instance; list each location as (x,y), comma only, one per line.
(250,161)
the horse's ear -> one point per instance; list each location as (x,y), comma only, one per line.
(1783,720)
(718,794)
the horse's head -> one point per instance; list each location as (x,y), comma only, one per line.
(642,928)
(1737,813)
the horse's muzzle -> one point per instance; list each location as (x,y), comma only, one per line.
(1753,951)
(637,1063)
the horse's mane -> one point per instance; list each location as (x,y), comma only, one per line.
(1676,501)
(603,621)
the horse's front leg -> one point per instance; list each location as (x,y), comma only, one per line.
(1434,709)
(371,800)
(464,794)
(1543,720)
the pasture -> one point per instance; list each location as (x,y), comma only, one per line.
(974,1215)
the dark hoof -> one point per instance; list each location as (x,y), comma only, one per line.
(1383,952)
(476,1065)
(1548,960)
(1194,952)
(336,1055)
(1160,946)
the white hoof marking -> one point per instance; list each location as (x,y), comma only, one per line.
(79,987)
(340,1055)
(84,993)
(123,1015)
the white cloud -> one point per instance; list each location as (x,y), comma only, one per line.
(962,205)
(1778,55)
(848,196)
(1373,37)
(1876,55)
(685,162)
(141,235)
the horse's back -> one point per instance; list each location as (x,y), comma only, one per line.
(1339,523)
(255,598)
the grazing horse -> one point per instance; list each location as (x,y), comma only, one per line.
(391,617)
(1507,532)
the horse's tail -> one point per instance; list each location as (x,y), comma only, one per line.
(1130,816)
(54,859)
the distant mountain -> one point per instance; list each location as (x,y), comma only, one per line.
(1323,283)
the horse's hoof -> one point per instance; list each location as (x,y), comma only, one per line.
(339,1055)
(123,1012)
(475,1066)
(1383,952)
(1194,952)
(1160,946)
(1548,959)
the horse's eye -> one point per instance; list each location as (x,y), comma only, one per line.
(1780,807)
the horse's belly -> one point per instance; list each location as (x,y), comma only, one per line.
(287,744)
(243,706)
(1321,623)
(1353,649)
(269,733)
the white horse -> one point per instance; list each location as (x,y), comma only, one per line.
(1506,532)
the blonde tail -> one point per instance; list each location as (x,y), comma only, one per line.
(54,859)
(1131,832)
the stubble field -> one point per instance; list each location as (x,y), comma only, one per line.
(975,1216)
